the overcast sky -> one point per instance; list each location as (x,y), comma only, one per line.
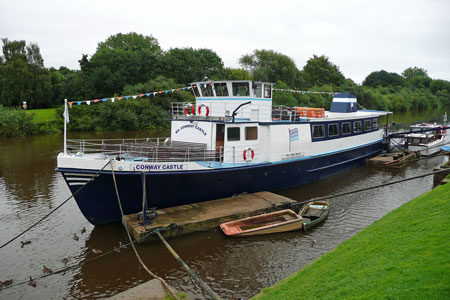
(358,36)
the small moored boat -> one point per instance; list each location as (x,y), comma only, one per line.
(279,221)
(313,213)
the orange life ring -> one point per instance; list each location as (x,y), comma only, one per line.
(251,156)
(200,109)
(186,107)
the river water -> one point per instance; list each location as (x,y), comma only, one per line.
(30,188)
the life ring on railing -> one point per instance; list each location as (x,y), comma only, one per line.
(200,109)
(187,107)
(443,129)
(248,157)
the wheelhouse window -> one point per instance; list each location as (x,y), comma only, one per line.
(196,92)
(346,128)
(333,130)
(251,133)
(367,125)
(234,134)
(221,89)
(257,90)
(240,89)
(357,126)
(267,91)
(375,123)
(206,90)
(318,131)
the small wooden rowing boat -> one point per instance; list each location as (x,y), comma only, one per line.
(279,221)
(313,213)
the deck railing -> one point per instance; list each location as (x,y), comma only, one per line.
(157,150)
(144,149)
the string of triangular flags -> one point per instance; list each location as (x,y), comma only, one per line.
(304,92)
(112,99)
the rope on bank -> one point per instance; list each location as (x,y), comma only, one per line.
(131,240)
(55,209)
(368,188)
(202,284)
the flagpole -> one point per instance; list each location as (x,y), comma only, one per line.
(65,126)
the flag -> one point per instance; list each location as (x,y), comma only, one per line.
(66,113)
(293,134)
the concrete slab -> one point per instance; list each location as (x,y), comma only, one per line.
(150,290)
(205,215)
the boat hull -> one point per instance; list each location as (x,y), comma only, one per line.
(275,222)
(310,223)
(98,202)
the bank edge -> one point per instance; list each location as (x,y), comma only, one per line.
(404,255)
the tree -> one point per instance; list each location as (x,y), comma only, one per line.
(414,72)
(186,65)
(319,71)
(271,66)
(383,78)
(236,74)
(120,60)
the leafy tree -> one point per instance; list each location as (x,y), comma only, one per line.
(439,85)
(120,60)
(23,76)
(271,66)
(414,72)
(186,65)
(236,74)
(319,71)
(383,78)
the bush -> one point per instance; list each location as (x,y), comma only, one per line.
(15,122)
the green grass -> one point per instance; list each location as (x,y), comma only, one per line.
(404,255)
(43,115)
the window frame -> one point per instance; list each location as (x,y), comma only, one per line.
(349,128)
(246,133)
(337,129)
(235,86)
(375,124)
(222,87)
(367,127)
(234,139)
(267,87)
(360,126)
(323,131)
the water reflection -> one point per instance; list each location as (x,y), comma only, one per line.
(232,267)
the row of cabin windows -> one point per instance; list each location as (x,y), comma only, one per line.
(318,131)
(234,133)
(241,89)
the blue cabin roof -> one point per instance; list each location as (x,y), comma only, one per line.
(344,103)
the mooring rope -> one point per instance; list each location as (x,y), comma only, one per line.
(200,282)
(368,188)
(131,240)
(55,209)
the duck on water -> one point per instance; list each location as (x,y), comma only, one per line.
(231,141)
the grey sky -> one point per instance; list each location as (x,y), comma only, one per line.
(358,36)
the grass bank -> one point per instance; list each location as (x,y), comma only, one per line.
(42,115)
(404,255)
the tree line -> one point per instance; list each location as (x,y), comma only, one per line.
(131,63)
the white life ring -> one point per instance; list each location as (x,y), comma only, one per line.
(248,154)
(188,107)
(200,109)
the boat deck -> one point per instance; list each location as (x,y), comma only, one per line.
(205,215)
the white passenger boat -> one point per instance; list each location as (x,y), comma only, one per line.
(231,140)
(426,138)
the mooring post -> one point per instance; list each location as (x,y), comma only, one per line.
(144,201)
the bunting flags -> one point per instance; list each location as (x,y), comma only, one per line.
(112,99)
